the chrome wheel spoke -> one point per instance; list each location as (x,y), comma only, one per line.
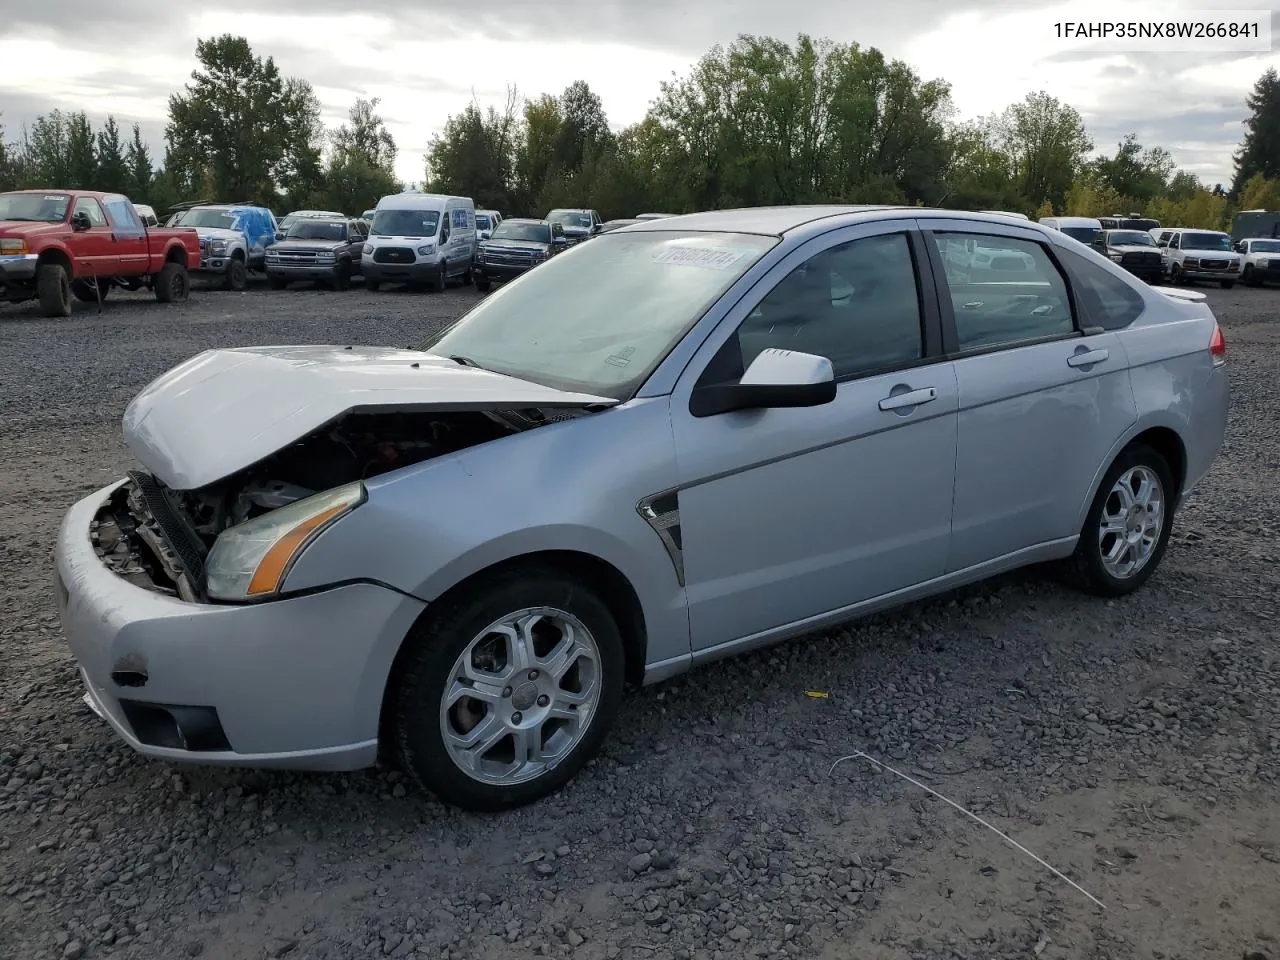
(1132,522)
(521,696)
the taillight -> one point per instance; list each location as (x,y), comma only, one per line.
(1218,346)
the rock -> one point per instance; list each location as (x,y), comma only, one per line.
(639,863)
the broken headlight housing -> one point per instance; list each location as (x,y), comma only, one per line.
(251,560)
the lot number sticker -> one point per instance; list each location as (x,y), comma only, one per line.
(709,258)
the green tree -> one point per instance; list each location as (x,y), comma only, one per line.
(474,155)
(535,154)
(979,174)
(1260,150)
(366,136)
(241,130)
(584,128)
(113,169)
(1136,172)
(1259,193)
(137,160)
(9,175)
(1046,143)
(82,160)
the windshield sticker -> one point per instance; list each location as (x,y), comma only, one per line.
(709,258)
(56,196)
(621,358)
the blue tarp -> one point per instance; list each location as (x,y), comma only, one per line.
(257,226)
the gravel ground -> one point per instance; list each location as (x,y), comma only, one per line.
(1133,744)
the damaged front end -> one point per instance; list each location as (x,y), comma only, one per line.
(160,539)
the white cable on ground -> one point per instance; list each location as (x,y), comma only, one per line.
(972,816)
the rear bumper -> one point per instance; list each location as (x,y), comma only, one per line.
(294,683)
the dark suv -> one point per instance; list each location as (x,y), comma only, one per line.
(317,248)
(579,224)
(1134,250)
(515,247)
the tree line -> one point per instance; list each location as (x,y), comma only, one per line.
(761,121)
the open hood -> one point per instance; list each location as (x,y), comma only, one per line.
(225,410)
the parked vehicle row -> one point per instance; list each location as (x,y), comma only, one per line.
(233,239)
(60,244)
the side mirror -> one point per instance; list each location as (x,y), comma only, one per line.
(1097,241)
(279,234)
(80,221)
(776,378)
(559,241)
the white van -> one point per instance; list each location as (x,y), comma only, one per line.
(486,222)
(1077,228)
(420,238)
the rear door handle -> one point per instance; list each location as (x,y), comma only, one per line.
(1087,358)
(912,398)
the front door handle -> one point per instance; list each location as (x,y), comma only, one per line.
(1087,358)
(912,398)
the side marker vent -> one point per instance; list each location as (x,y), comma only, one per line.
(662,512)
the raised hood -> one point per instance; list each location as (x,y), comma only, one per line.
(225,410)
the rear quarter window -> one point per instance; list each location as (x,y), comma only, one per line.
(1108,300)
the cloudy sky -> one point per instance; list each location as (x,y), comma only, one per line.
(424,63)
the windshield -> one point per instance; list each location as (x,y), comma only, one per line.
(303,229)
(482,222)
(1132,237)
(1265,246)
(405,223)
(605,337)
(209,218)
(1206,241)
(1083,234)
(537,232)
(570,218)
(1136,223)
(44,207)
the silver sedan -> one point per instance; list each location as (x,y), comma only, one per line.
(691,437)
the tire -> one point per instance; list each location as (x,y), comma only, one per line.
(1175,275)
(278,283)
(483,284)
(1227,284)
(441,283)
(469,277)
(342,279)
(173,283)
(1087,566)
(237,275)
(85,292)
(372,285)
(433,656)
(1249,276)
(53,289)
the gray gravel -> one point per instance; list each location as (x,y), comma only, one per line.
(1133,744)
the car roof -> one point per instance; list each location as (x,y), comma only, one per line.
(524,220)
(770,221)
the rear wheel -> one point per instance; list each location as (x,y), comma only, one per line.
(172,283)
(87,291)
(53,288)
(505,691)
(1127,528)
(237,275)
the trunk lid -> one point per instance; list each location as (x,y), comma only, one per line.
(225,410)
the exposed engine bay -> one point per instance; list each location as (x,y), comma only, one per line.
(158,538)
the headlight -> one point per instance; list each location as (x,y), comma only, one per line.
(1117,257)
(250,560)
(324,255)
(218,246)
(1190,262)
(427,249)
(367,248)
(13,245)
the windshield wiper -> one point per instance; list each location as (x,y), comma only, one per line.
(464,361)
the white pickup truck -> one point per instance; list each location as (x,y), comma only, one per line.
(1261,258)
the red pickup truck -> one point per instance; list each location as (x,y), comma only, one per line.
(56,244)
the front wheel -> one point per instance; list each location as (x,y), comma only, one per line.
(237,275)
(442,278)
(483,284)
(1127,528)
(507,690)
(342,278)
(1228,284)
(53,288)
(372,285)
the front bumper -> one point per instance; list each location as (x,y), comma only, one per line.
(17,269)
(420,272)
(290,271)
(294,683)
(1199,273)
(500,272)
